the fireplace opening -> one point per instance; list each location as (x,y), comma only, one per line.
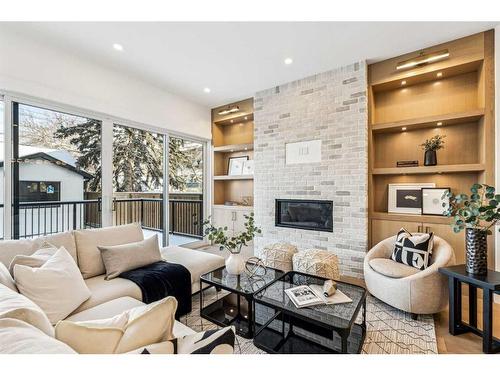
(304,214)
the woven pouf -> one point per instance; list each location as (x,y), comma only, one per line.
(279,255)
(317,262)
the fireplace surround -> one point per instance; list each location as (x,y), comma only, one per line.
(314,215)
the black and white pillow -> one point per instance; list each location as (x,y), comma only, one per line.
(413,250)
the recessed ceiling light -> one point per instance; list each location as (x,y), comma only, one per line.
(206,90)
(439,74)
(118,47)
(403,83)
(403,128)
(288,61)
(246,117)
(439,123)
(232,121)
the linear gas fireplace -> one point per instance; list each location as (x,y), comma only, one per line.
(305,214)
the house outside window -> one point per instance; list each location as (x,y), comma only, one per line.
(39,191)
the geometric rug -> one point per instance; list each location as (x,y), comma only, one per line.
(389,330)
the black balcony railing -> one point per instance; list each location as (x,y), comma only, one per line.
(43,218)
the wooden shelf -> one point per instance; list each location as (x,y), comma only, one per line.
(435,219)
(235,207)
(230,178)
(236,119)
(455,168)
(429,121)
(234,148)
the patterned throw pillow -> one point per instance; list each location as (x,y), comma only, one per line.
(413,250)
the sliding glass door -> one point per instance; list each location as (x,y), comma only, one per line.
(56,171)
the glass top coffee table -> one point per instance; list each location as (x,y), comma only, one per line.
(236,306)
(317,329)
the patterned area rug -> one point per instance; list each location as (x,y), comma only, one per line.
(389,331)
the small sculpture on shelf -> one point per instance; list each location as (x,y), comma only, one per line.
(430,146)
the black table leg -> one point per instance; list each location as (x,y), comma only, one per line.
(472,306)
(455,316)
(343,338)
(250,316)
(487,321)
(201,297)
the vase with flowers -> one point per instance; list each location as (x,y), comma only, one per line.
(430,146)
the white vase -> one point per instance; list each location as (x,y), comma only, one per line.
(235,264)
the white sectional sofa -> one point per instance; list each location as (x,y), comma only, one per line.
(112,297)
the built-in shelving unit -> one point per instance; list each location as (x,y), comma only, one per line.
(234,148)
(453,97)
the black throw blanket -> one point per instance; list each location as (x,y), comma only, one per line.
(161,279)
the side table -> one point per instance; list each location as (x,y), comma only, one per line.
(490,284)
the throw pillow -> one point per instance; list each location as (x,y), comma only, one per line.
(37,259)
(89,257)
(18,337)
(6,278)
(413,250)
(135,328)
(216,341)
(121,258)
(57,286)
(16,306)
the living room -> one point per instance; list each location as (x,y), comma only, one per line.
(215,184)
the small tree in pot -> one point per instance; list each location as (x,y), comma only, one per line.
(477,214)
(430,146)
(235,264)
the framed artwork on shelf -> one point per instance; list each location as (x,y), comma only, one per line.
(235,167)
(432,201)
(248,167)
(406,198)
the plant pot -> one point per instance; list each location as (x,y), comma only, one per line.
(235,264)
(476,251)
(430,157)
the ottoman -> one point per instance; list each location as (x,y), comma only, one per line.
(317,262)
(279,255)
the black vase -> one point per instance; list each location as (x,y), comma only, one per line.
(476,251)
(430,157)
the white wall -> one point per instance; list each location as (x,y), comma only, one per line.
(43,71)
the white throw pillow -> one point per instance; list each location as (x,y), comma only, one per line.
(121,258)
(37,259)
(16,306)
(138,327)
(6,278)
(18,337)
(57,286)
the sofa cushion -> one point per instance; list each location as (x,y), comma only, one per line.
(106,290)
(64,239)
(6,278)
(106,310)
(35,260)
(390,268)
(57,286)
(121,258)
(197,262)
(16,306)
(87,240)
(18,337)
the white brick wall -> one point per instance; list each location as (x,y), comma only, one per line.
(330,106)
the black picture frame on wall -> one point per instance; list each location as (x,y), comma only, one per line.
(432,202)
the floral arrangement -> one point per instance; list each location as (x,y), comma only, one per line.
(433,144)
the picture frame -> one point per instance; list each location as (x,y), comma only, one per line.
(406,198)
(432,201)
(235,165)
(248,167)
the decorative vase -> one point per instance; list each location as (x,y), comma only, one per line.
(430,157)
(476,249)
(235,264)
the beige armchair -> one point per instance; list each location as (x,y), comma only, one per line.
(405,287)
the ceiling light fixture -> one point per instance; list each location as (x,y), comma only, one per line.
(288,61)
(118,47)
(228,110)
(206,90)
(403,83)
(423,60)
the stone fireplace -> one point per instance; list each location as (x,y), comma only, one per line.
(329,109)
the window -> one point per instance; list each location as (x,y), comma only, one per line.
(39,191)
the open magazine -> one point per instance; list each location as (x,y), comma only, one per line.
(312,295)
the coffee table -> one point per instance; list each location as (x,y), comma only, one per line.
(235,308)
(317,329)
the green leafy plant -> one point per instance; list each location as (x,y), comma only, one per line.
(233,244)
(433,144)
(478,211)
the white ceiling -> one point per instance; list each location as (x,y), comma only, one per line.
(235,60)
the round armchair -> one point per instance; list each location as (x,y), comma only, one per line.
(405,287)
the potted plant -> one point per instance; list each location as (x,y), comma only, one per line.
(430,146)
(477,214)
(235,264)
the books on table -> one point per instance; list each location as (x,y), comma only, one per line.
(312,295)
